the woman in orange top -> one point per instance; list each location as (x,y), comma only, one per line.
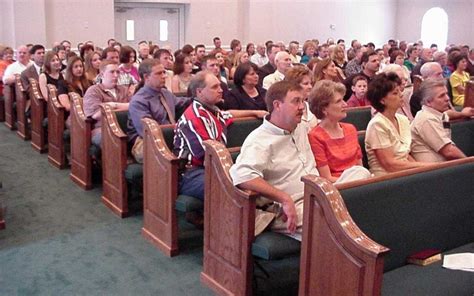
(6,58)
(334,144)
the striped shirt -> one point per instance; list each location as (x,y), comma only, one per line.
(198,124)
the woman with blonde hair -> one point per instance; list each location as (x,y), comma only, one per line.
(91,65)
(51,73)
(240,58)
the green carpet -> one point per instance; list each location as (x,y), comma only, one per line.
(61,240)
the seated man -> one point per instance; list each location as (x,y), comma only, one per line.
(23,61)
(431,133)
(283,63)
(276,155)
(151,100)
(202,121)
(165,58)
(35,69)
(106,91)
(124,78)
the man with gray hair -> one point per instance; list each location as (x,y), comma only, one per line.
(259,58)
(430,130)
(283,63)
(434,70)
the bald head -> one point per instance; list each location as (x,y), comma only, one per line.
(431,70)
(22,54)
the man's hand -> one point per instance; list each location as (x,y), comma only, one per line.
(289,214)
(467,112)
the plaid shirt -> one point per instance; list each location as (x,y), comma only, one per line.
(198,124)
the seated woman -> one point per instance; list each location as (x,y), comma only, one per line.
(326,70)
(459,78)
(223,69)
(128,58)
(182,68)
(388,136)
(334,144)
(302,76)
(339,58)
(75,81)
(309,49)
(51,73)
(246,95)
(240,58)
(406,89)
(91,65)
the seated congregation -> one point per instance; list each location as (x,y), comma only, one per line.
(284,158)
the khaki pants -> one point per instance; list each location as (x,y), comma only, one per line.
(137,150)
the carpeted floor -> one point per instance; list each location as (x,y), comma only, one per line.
(61,240)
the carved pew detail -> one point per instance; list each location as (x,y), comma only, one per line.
(38,107)
(81,127)
(56,127)
(21,102)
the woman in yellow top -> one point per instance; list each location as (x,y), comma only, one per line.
(458,79)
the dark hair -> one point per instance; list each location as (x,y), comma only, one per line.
(145,68)
(207,58)
(358,78)
(380,86)
(36,47)
(85,48)
(160,52)
(187,49)
(278,92)
(234,43)
(71,79)
(106,51)
(458,58)
(178,66)
(340,41)
(125,52)
(366,55)
(57,48)
(215,38)
(48,57)
(199,45)
(270,47)
(241,71)
(395,54)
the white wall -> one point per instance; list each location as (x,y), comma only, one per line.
(460,16)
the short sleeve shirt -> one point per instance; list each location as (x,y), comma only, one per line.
(430,132)
(339,154)
(381,134)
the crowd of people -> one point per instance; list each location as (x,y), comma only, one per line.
(302,97)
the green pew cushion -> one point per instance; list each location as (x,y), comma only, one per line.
(168,135)
(122,118)
(134,173)
(271,245)
(430,280)
(67,135)
(185,203)
(238,131)
(44,123)
(462,134)
(359,118)
(365,159)
(276,277)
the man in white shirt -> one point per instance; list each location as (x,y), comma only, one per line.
(22,62)
(259,58)
(275,156)
(293,50)
(283,63)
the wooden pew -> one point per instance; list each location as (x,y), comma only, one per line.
(161,198)
(10,114)
(2,107)
(39,138)
(56,128)
(346,240)
(231,250)
(114,162)
(81,128)
(24,130)
(469,94)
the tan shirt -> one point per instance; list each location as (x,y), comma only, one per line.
(429,135)
(381,134)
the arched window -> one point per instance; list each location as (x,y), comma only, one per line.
(434,27)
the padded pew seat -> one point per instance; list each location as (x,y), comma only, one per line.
(430,280)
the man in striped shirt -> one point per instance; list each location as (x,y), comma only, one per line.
(202,121)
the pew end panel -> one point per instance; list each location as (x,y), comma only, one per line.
(160,182)
(10,114)
(469,94)
(56,127)
(38,115)
(114,163)
(229,227)
(2,107)
(334,249)
(81,128)
(23,130)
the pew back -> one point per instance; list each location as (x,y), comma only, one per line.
(359,117)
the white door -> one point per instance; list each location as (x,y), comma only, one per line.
(159,23)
